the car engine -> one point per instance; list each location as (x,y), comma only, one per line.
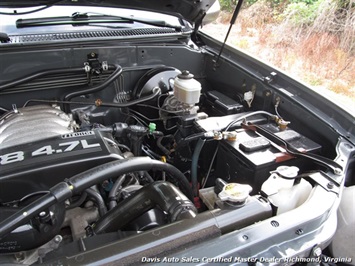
(147,147)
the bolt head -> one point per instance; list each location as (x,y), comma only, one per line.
(337,171)
(317,252)
(58,239)
(299,231)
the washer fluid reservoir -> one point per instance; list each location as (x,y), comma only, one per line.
(284,190)
(186,88)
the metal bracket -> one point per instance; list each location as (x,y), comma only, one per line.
(93,60)
(104,66)
(87,67)
(93,66)
(14,108)
(322,180)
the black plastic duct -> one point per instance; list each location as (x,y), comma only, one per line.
(78,183)
(42,228)
(162,194)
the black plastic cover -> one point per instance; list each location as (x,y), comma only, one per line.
(223,104)
(39,165)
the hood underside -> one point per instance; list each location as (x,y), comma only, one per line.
(190,10)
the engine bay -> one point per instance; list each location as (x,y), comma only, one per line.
(112,151)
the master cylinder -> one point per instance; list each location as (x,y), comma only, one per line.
(186,88)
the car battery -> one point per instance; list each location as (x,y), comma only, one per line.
(250,158)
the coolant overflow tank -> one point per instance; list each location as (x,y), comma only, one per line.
(186,88)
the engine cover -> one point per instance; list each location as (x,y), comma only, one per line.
(38,165)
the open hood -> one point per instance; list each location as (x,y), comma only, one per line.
(190,10)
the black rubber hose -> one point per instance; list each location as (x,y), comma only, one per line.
(113,169)
(82,181)
(108,81)
(148,177)
(160,193)
(78,202)
(161,146)
(113,191)
(98,200)
(33,235)
(25,214)
(40,74)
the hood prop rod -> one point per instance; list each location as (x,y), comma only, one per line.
(233,19)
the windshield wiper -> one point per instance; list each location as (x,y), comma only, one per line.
(86,19)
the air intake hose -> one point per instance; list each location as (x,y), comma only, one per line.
(78,183)
(160,193)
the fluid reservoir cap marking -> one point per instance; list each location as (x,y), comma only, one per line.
(235,192)
(287,171)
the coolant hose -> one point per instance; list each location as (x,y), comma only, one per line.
(113,191)
(194,165)
(129,165)
(160,193)
(98,200)
(78,183)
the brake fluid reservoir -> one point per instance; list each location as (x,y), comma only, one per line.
(186,88)
(282,190)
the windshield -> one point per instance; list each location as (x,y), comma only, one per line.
(8,22)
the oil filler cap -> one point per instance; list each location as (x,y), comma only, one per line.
(235,193)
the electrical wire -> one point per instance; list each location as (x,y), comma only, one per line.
(143,116)
(33,194)
(3,109)
(137,119)
(117,105)
(117,145)
(123,146)
(161,95)
(170,128)
(277,113)
(246,116)
(153,119)
(194,136)
(240,98)
(210,167)
(159,108)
